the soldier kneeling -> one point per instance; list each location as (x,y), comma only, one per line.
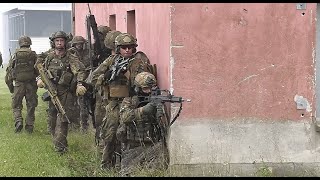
(141,133)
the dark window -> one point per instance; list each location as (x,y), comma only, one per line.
(112,22)
(131,22)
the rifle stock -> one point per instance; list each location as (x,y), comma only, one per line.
(91,22)
(52,91)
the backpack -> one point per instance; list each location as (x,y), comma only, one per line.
(24,60)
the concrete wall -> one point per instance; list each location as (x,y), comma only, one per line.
(244,67)
(152,29)
(249,70)
(246,60)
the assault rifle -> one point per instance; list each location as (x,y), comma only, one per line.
(157,97)
(46,77)
(97,50)
(119,65)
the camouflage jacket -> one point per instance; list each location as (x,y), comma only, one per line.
(139,126)
(66,70)
(137,65)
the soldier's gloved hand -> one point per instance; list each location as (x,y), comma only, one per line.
(160,110)
(150,108)
(99,81)
(40,83)
(81,90)
(11,88)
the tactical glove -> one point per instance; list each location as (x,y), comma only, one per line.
(81,90)
(150,108)
(11,88)
(40,83)
(160,110)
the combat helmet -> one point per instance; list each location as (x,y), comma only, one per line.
(109,40)
(125,39)
(59,34)
(145,80)
(77,39)
(24,41)
(104,30)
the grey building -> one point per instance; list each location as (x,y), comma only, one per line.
(38,24)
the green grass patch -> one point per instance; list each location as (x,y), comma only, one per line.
(32,155)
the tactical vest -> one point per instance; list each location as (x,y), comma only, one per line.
(24,60)
(59,69)
(122,86)
(147,130)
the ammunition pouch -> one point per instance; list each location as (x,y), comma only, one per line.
(45,96)
(119,90)
(65,79)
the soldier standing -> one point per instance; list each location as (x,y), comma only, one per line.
(1,61)
(63,65)
(116,90)
(109,42)
(78,43)
(21,70)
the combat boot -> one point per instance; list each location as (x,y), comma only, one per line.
(29,128)
(60,150)
(18,126)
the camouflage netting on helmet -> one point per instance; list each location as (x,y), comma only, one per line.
(125,39)
(151,158)
(110,38)
(145,79)
(103,30)
(77,39)
(25,41)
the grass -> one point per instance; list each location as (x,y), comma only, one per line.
(32,155)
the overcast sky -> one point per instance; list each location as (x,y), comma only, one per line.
(29,6)
(8,6)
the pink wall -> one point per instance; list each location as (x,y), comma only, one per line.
(152,29)
(243,60)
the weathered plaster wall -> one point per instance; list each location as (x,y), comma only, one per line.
(243,59)
(152,28)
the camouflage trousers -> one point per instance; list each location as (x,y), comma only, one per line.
(27,90)
(84,113)
(99,113)
(74,116)
(59,124)
(110,124)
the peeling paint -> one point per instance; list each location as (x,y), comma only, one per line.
(248,77)
(171,57)
(302,103)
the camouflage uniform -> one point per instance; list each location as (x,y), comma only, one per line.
(140,132)
(100,110)
(21,70)
(63,68)
(115,91)
(1,61)
(84,57)
(103,101)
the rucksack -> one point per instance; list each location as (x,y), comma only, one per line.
(24,60)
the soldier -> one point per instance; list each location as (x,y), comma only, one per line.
(63,65)
(116,89)
(105,52)
(142,135)
(21,70)
(1,60)
(78,43)
(102,102)
(45,96)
